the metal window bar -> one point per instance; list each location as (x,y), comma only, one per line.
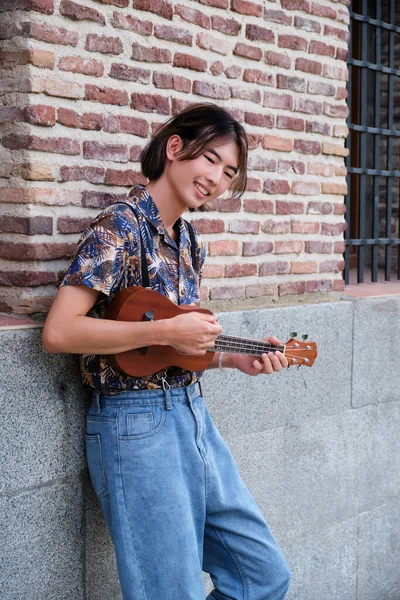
(360,245)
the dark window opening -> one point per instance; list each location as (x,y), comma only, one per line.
(372,203)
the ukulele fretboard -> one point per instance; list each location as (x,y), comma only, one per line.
(237,345)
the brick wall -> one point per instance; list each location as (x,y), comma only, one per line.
(84,84)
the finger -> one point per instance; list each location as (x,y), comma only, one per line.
(275,362)
(282,358)
(274,340)
(267,366)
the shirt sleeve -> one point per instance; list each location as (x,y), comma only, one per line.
(99,259)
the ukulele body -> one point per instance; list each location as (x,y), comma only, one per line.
(142,304)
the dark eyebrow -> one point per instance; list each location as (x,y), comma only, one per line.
(234,169)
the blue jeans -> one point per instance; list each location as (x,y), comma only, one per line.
(174,501)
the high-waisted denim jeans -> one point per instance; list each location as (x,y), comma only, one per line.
(174,501)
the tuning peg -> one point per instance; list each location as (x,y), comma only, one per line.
(304,337)
(293,334)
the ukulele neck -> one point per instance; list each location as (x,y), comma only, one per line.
(237,345)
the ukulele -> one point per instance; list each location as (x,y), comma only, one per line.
(142,304)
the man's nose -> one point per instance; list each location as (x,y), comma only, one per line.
(215,174)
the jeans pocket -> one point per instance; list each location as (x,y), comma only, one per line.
(95,464)
(140,422)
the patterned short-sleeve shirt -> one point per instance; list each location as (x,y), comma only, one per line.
(108,259)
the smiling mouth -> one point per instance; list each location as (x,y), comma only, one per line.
(201,189)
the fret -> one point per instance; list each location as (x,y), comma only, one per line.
(236,345)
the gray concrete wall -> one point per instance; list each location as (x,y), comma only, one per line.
(319,448)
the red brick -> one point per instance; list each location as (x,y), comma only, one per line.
(185,61)
(244,226)
(336,32)
(121,71)
(72,225)
(339,247)
(80,13)
(339,209)
(159,7)
(293,42)
(226,205)
(304,227)
(111,124)
(182,84)
(227,293)
(321,49)
(257,248)
(291,165)
(43,6)
(277,59)
(303,266)
(296,5)
(39,114)
(324,169)
(276,186)
(253,184)
(217,67)
(283,101)
(134,153)
(246,93)
(139,127)
(223,248)
(318,247)
(26,278)
(28,251)
(256,33)
(106,95)
(103,44)
(319,208)
(262,163)
(226,26)
(251,52)
(254,140)
(291,288)
(50,197)
(50,34)
(259,206)
(295,84)
(289,208)
(318,286)
(213,271)
(209,42)
(274,268)
(331,266)
(307,147)
(77,64)
(112,152)
(272,142)
(173,34)
(308,106)
(258,290)
(247,8)
(338,285)
(59,145)
(68,117)
(63,89)
(92,121)
(320,10)
(211,90)
(318,127)
(144,54)
(8,31)
(209,225)
(308,66)
(11,114)
(334,149)
(121,21)
(334,188)
(193,16)
(90,174)
(100,199)
(307,25)
(333,228)
(259,120)
(341,94)
(150,103)
(26,225)
(178,105)
(216,3)
(39,58)
(260,77)
(289,123)
(318,87)
(124,178)
(336,110)
(233,72)
(306,188)
(277,16)
(243,270)
(119,3)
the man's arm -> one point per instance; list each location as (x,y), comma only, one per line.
(68,329)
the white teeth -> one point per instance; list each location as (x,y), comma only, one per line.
(202,190)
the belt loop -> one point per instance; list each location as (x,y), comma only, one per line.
(167,392)
(200,390)
(96,400)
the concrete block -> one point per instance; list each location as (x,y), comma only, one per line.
(323,564)
(102,581)
(379,553)
(376,350)
(43,404)
(42,545)
(242,404)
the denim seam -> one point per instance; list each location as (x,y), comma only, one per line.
(97,438)
(235,560)
(100,419)
(139,436)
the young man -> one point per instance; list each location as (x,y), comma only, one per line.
(168,486)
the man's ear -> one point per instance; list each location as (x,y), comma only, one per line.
(174,145)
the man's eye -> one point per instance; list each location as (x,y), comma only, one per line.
(209,159)
(229,175)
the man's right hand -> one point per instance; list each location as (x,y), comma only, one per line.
(192,332)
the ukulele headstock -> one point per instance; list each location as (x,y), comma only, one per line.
(300,353)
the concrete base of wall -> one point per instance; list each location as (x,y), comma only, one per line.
(319,449)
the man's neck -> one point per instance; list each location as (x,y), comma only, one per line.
(163,197)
